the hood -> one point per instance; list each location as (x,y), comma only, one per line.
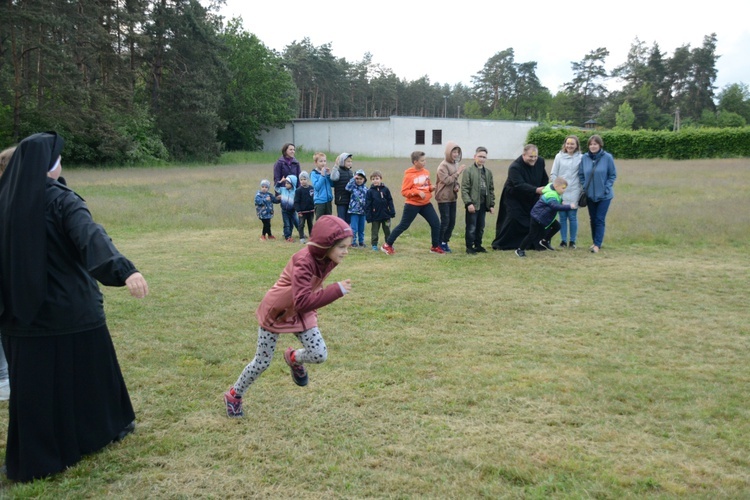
(342,158)
(293,180)
(565,154)
(450,146)
(325,232)
(23,231)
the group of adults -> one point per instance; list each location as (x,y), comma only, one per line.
(593,172)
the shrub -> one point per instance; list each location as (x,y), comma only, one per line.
(688,143)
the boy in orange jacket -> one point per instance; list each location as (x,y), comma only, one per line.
(417,189)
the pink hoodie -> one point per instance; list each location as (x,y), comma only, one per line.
(290,306)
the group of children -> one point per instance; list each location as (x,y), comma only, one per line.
(305,203)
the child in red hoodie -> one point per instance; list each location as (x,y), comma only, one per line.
(417,189)
(291,306)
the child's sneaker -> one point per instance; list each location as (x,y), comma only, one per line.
(387,249)
(290,240)
(262,237)
(520,253)
(234,404)
(299,373)
(445,248)
(437,250)
(303,240)
(546,244)
(272,237)
(374,248)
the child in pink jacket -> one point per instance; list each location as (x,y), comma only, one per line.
(291,306)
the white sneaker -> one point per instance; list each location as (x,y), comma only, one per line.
(5,390)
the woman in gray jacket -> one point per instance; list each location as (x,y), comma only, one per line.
(566,165)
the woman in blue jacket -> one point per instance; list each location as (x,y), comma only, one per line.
(598,166)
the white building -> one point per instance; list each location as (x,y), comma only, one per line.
(398,136)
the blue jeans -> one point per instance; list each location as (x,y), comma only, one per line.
(475,227)
(289,216)
(569,217)
(358,228)
(598,215)
(447,220)
(3,363)
(410,213)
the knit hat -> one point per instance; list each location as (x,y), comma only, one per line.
(304,175)
(265,183)
(361,173)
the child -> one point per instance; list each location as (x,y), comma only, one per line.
(291,305)
(304,204)
(340,177)
(543,225)
(379,209)
(567,164)
(478,195)
(321,180)
(446,192)
(358,192)
(417,189)
(285,190)
(264,208)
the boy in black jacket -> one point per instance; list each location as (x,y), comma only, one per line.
(379,209)
(304,204)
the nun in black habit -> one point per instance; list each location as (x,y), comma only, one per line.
(68,397)
(526,179)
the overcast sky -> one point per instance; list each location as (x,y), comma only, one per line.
(451,41)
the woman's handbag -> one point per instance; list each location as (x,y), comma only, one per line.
(583,199)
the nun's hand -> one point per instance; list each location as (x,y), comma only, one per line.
(137,285)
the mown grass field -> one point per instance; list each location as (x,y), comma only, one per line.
(562,375)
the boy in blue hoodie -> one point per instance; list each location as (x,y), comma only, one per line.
(543,225)
(285,191)
(321,181)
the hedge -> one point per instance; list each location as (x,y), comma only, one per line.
(688,143)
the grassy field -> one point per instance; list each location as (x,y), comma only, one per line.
(562,375)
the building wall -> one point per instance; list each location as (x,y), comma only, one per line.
(395,137)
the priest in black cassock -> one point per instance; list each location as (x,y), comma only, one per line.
(526,179)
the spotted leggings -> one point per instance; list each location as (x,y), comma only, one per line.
(314,351)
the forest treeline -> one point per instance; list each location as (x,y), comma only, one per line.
(140,81)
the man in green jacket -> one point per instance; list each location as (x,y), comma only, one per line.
(478,195)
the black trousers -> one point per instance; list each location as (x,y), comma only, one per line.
(538,232)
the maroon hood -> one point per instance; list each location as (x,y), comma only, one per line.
(325,232)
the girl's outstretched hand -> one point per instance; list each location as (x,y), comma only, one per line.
(137,285)
(347,285)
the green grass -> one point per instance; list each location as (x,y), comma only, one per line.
(562,375)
